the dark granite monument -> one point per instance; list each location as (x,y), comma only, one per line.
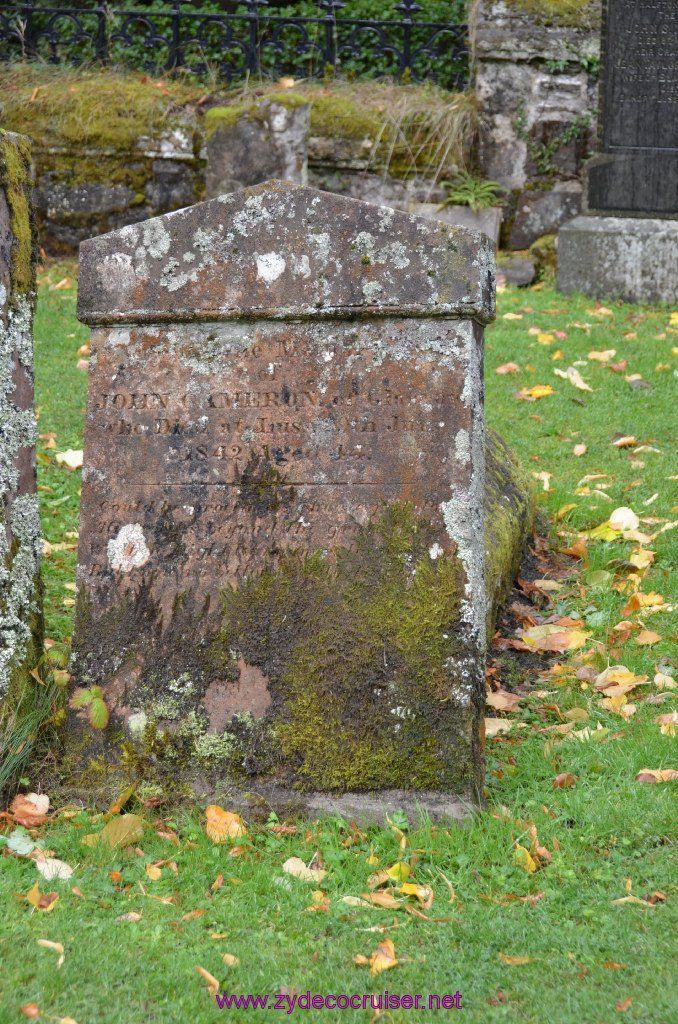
(281,571)
(626,243)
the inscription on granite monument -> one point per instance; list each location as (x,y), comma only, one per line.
(638,168)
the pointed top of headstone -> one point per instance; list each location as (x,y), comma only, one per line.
(281,250)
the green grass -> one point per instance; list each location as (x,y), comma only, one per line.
(604,830)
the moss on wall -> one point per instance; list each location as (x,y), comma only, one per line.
(573,13)
(15,181)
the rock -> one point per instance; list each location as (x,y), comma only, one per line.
(517,269)
(541,213)
(255,143)
(545,252)
(488,221)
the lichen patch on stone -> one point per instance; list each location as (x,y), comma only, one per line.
(128,550)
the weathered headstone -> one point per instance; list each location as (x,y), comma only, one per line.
(249,144)
(626,246)
(285,404)
(20,534)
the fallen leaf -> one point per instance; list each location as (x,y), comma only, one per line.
(56,946)
(646,638)
(53,868)
(153,872)
(381,899)
(612,966)
(399,872)
(665,682)
(668,723)
(30,1010)
(296,867)
(70,458)
(532,394)
(544,477)
(192,914)
(574,377)
(383,957)
(123,830)
(494,726)
(624,1005)
(41,901)
(579,450)
(230,960)
(503,700)
(513,316)
(212,983)
(222,825)
(27,812)
(524,860)
(515,961)
(565,780)
(602,357)
(508,368)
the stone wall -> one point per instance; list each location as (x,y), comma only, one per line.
(20,534)
(536,85)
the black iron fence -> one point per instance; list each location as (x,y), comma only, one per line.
(231,39)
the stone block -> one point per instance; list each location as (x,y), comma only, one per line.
(21,631)
(488,221)
(249,145)
(281,564)
(630,258)
(541,213)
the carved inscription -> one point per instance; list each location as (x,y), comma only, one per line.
(228,447)
(641,75)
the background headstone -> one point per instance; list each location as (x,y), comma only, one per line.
(626,246)
(249,145)
(285,405)
(20,534)
(488,221)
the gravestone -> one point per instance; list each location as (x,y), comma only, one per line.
(281,563)
(20,534)
(626,243)
(247,145)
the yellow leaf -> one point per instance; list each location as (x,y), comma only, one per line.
(399,872)
(641,557)
(544,477)
(513,316)
(646,638)
(624,518)
(523,859)
(574,377)
(131,916)
(538,391)
(665,682)
(230,960)
(372,860)
(515,961)
(153,873)
(657,775)
(564,509)
(222,825)
(600,311)
(668,723)
(558,355)
(507,368)
(212,983)
(380,899)
(70,458)
(494,726)
(579,450)
(545,339)
(383,958)
(603,357)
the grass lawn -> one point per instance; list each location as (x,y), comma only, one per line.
(525,923)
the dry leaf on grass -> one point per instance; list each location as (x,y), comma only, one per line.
(383,957)
(657,775)
(222,825)
(646,638)
(131,916)
(534,393)
(508,368)
(53,868)
(295,866)
(30,1010)
(212,983)
(70,458)
(56,946)
(574,377)
(495,726)
(230,960)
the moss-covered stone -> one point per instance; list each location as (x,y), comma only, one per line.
(20,533)
(573,13)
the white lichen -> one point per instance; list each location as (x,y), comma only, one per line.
(128,550)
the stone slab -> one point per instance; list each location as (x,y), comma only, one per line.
(630,258)
(285,413)
(638,167)
(20,533)
(488,221)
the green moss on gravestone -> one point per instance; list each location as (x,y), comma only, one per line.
(15,180)
(571,13)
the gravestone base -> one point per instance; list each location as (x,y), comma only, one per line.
(630,258)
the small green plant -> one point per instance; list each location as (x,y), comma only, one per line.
(93,700)
(478,193)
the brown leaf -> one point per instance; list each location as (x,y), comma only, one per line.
(27,813)
(230,960)
(508,368)
(657,775)
(30,1010)
(123,830)
(646,638)
(564,781)
(383,957)
(192,914)
(612,966)
(132,916)
(624,1005)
